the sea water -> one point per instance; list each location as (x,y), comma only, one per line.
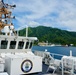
(57,50)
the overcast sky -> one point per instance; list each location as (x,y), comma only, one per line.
(52,13)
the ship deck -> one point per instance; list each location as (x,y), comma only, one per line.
(44,72)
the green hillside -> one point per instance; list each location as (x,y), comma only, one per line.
(52,35)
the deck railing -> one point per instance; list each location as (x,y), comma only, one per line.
(57,56)
(54,55)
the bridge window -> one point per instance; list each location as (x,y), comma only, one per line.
(27,44)
(20,45)
(30,45)
(4,44)
(12,44)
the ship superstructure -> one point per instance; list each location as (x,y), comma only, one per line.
(15,51)
(8,38)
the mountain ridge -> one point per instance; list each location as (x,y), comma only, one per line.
(53,35)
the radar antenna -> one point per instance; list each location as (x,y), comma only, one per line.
(5,15)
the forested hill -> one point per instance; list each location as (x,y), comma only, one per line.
(52,35)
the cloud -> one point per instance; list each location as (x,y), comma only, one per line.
(37,8)
(67,15)
(54,13)
(24,22)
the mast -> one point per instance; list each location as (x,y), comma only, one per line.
(26,31)
(5,16)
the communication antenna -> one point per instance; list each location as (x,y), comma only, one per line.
(17,32)
(26,31)
(22,28)
(70,52)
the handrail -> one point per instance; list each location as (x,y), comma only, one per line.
(56,54)
(52,54)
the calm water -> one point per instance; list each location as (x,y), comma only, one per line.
(57,50)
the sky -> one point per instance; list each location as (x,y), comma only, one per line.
(51,13)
